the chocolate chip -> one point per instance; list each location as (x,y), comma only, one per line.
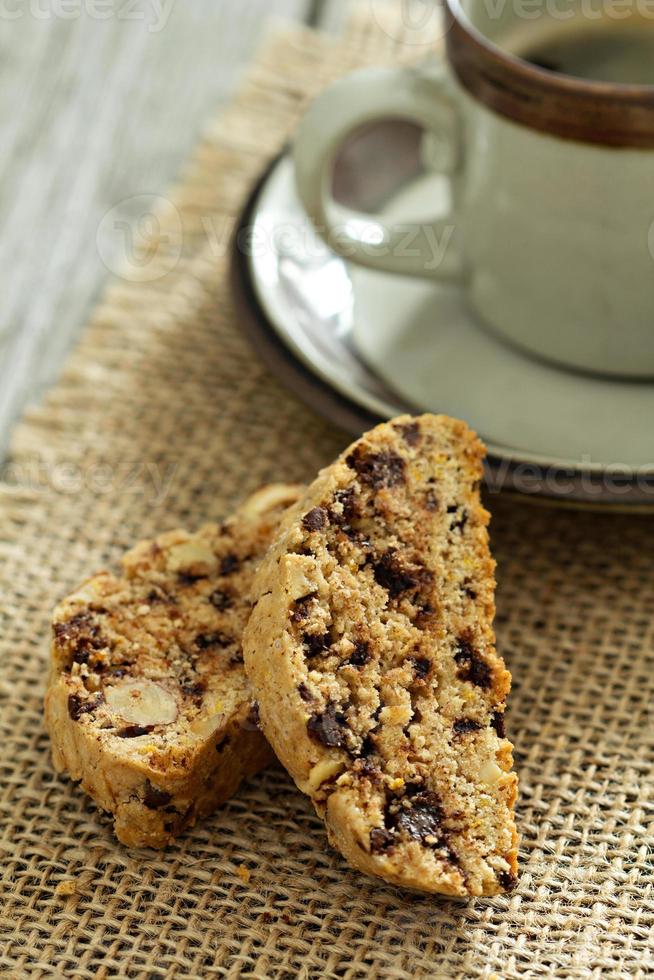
(497,721)
(464,725)
(380,840)
(61,631)
(368,770)
(188,578)
(134,731)
(194,689)
(421,821)
(182,821)
(470,593)
(301,608)
(462,519)
(77,706)
(410,432)
(414,789)
(237,658)
(368,746)
(82,634)
(254,718)
(315,519)
(507,880)
(155,798)
(383,469)
(421,666)
(472,666)
(304,692)
(86,648)
(424,614)
(229,564)
(157,594)
(221,600)
(327,727)
(361,654)
(72,628)
(348,510)
(430,500)
(316,643)
(390,574)
(357,537)
(205,640)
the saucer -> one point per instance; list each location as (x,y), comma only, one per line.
(361,346)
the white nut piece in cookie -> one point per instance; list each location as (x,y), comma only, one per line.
(323,771)
(195,557)
(491,773)
(148,705)
(142,702)
(372,655)
(267,499)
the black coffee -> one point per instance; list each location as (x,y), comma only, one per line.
(612,52)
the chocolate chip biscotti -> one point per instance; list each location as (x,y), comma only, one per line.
(372,655)
(147,703)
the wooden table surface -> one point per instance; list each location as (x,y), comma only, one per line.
(100,101)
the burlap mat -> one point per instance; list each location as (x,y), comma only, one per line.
(165,417)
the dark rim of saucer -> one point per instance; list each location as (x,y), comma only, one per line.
(609,114)
(545,483)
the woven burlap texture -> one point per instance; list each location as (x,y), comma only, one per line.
(165,417)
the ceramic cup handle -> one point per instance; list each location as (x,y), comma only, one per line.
(368,96)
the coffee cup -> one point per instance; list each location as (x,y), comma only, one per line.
(551,227)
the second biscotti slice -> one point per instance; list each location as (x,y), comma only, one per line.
(372,655)
(148,704)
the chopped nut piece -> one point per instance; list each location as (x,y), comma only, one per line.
(321,772)
(191,557)
(142,703)
(269,498)
(491,773)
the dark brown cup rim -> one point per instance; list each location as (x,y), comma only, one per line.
(604,113)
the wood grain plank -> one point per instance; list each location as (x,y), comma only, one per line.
(93,112)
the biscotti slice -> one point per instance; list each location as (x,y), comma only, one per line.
(372,656)
(148,703)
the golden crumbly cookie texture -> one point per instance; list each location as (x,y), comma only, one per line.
(372,655)
(147,703)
